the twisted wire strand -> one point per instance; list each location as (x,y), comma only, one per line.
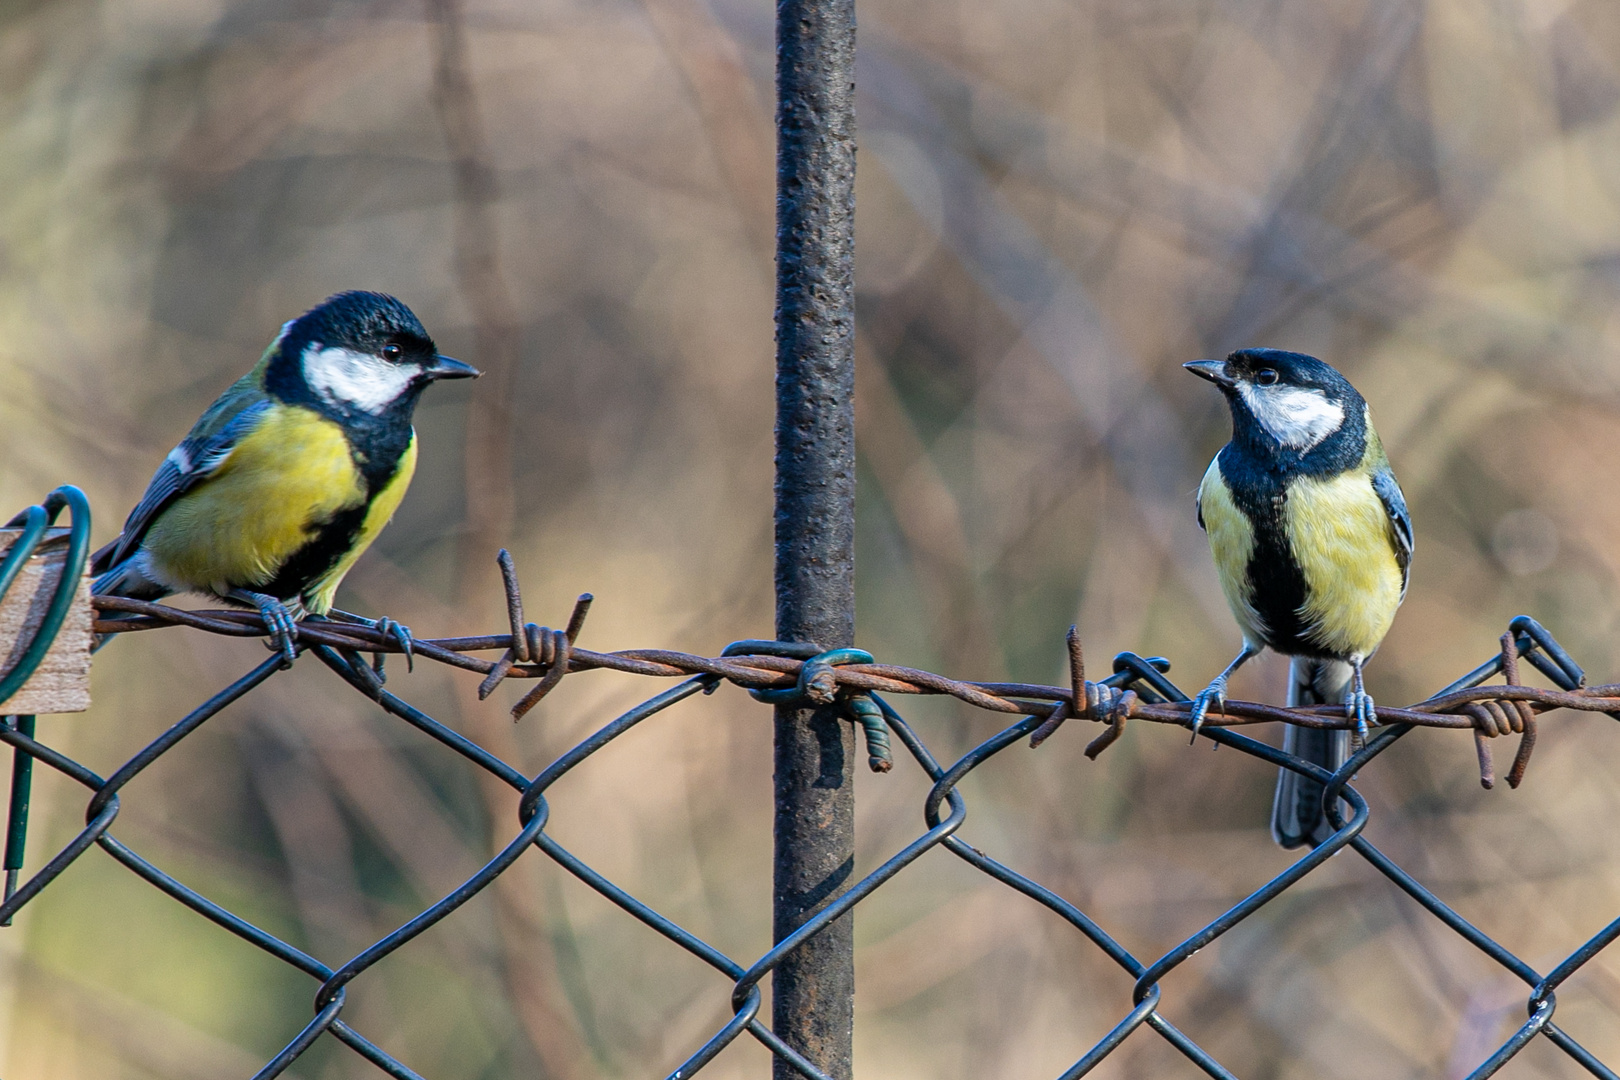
(1448,709)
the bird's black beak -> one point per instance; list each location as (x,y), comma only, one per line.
(445,368)
(1213,370)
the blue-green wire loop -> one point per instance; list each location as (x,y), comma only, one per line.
(34,521)
(860,707)
(812,667)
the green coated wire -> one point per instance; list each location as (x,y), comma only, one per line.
(34,522)
(22,787)
(72,569)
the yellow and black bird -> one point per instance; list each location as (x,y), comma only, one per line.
(291,474)
(1312,542)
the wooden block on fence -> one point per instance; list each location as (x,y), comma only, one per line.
(61,683)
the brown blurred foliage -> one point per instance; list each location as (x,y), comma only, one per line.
(1060,201)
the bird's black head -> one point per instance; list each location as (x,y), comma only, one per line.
(1285,402)
(358,353)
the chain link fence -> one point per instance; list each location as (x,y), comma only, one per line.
(846,680)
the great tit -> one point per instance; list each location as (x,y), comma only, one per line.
(1312,542)
(291,474)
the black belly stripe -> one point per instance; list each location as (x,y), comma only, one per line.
(377,443)
(332,540)
(1279,593)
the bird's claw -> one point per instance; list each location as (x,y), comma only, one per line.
(1359,707)
(400,633)
(282,628)
(1213,694)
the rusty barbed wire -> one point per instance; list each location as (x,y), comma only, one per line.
(1137,689)
(536,652)
(545,654)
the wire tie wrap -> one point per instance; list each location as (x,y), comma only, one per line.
(818,686)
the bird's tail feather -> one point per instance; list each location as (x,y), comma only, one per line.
(125,579)
(1296,811)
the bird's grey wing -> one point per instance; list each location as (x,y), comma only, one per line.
(1400,521)
(198,457)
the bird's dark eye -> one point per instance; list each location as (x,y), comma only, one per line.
(392,352)
(1265,376)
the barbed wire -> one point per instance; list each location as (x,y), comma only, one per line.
(847,680)
(537,652)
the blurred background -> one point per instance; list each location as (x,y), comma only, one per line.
(1060,201)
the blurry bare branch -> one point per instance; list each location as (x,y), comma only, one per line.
(482,283)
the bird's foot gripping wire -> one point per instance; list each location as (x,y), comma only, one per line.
(388,628)
(402,635)
(278,621)
(1359,707)
(1213,694)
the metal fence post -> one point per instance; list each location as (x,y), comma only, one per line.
(813,991)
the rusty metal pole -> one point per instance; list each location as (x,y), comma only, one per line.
(813,991)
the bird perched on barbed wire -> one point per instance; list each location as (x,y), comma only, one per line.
(291,474)
(1312,542)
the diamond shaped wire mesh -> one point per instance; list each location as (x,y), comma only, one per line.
(843,679)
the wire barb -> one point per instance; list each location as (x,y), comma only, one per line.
(1120,711)
(1487,766)
(1493,718)
(514,603)
(1077,702)
(552,655)
(518,649)
(551,650)
(576,621)
(1526,715)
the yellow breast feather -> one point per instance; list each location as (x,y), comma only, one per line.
(1231,541)
(291,472)
(318,597)
(1341,539)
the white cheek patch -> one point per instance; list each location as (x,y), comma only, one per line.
(1294,416)
(359,380)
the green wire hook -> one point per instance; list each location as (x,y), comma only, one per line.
(814,688)
(34,522)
